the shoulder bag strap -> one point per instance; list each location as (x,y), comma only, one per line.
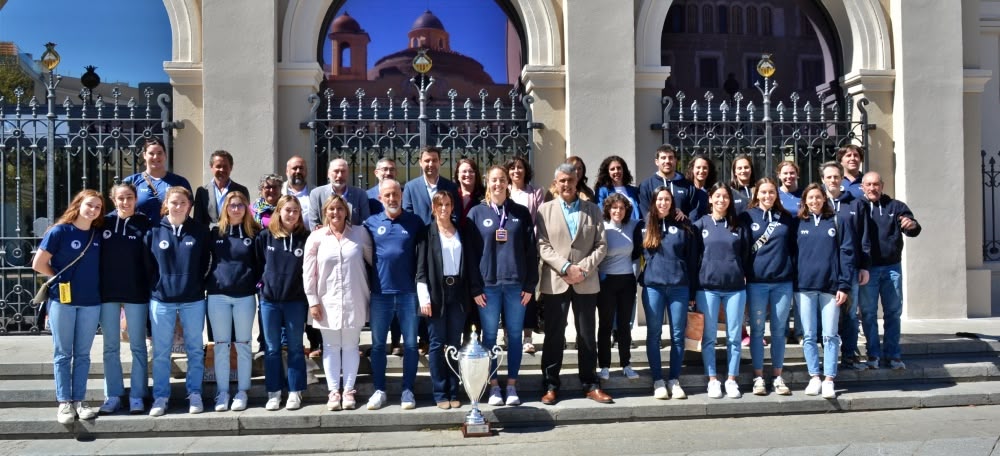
(764,237)
(93,231)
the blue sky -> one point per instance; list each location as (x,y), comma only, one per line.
(128,40)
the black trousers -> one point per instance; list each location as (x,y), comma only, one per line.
(614,307)
(556,307)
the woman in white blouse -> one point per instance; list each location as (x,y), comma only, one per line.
(336,284)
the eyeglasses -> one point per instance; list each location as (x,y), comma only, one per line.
(235,206)
(270,187)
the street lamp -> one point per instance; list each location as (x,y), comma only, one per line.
(50,60)
(90,80)
(766,68)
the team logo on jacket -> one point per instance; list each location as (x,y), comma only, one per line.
(298,252)
(832,232)
(488,223)
(247,242)
(671,230)
(164,244)
(755,226)
(704,233)
(380,230)
(75,245)
(107,234)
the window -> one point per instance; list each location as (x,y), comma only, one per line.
(751,20)
(675,19)
(723,12)
(708,72)
(811,73)
(345,56)
(766,25)
(692,19)
(750,68)
(736,21)
(707,24)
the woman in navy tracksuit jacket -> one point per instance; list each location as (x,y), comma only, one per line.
(825,267)
(232,304)
(280,251)
(669,250)
(769,291)
(180,252)
(724,251)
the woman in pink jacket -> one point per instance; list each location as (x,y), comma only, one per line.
(336,286)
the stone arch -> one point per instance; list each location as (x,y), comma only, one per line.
(185,29)
(302,24)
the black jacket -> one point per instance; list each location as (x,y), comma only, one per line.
(205,211)
(430,268)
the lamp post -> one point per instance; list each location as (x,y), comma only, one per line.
(422,64)
(50,60)
(765,68)
(90,80)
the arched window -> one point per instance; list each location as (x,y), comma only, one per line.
(707,24)
(440,44)
(751,20)
(345,56)
(692,19)
(413,42)
(736,20)
(766,27)
(723,12)
(675,19)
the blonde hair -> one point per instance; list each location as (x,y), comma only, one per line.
(276,227)
(172,190)
(250,226)
(334,199)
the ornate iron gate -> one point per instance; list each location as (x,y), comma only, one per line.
(806,134)
(48,157)
(363,129)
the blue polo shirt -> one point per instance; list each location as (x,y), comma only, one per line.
(149,199)
(65,242)
(394,262)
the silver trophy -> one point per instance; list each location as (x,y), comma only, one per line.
(474,372)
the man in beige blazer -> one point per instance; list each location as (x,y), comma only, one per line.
(571,244)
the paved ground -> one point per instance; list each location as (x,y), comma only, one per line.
(944,431)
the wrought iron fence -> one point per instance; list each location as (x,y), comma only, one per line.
(807,134)
(991,216)
(73,147)
(363,130)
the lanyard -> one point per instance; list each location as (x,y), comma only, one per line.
(501,212)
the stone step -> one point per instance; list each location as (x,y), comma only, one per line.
(40,423)
(950,368)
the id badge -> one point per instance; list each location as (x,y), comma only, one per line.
(501,235)
(65,296)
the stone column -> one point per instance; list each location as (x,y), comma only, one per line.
(296,81)
(649,82)
(547,85)
(929,134)
(240,86)
(188,105)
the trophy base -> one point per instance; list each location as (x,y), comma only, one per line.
(476,430)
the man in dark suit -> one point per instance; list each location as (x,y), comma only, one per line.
(339,174)
(418,191)
(208,198)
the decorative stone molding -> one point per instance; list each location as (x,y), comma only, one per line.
(301,28)
(543,77)
(975,80)
(543,31)
(185,28)
(183,73)
(651,77)
(861,81)
(300,74)
(648,33)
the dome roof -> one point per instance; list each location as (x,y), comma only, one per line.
(427,20)
(345,24)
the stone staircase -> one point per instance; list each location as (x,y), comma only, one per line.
(942,370)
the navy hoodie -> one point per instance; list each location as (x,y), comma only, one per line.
(884,230)
(180,257)
(850,209)
(235,270)
(741,198)
(674,263)
(723,255)
(825,255)
(125,259)
(772,262)
(683,190)
(281,262)
(505,263)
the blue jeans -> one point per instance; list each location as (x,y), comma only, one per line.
(290,316)
(508,298)
(673,301)
(73,331)
(774,299)
(826,304)
(164,316)
(849,323)
(383,308)
(225,313)
(887,282)
(708,303)
(135,318)
(446,330)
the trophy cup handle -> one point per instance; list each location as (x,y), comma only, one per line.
(452,352)
(497,354)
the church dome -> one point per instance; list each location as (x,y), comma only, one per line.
(345,24)
(427,21)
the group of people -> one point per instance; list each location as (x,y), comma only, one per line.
(430,259)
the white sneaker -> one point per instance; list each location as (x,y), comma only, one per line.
(872,363)
(660,390)
(110,405)
(604,374)
(66,414)
(630,373)
(273,401)
(714,389)
(897,364)
(829,392)
(377,400)
(83,411)
(759,388)
(406,400)
(512,398)
(496,398)
(159,406)
(135,405)
(222,402)
(676,392)
(294,400)
(194,403)
(780,387)
(733,389)
(347,400)
(239,402)
(814,387)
